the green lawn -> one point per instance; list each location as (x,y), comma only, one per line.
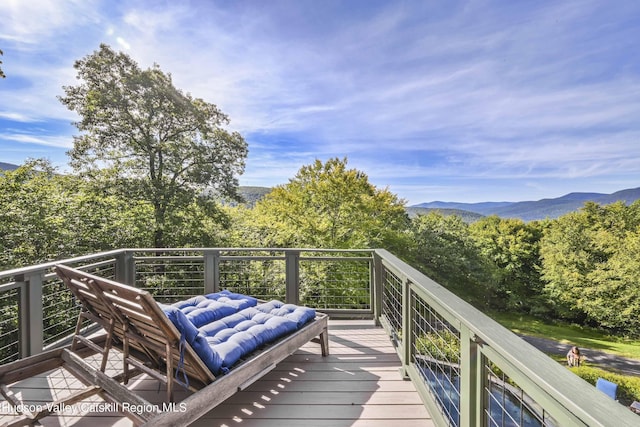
(581,336)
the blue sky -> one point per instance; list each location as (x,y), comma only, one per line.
(451,100)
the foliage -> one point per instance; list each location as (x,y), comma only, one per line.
(467,216)
(443,250)
(591,265)
(512,247)
(327,205)
(628,386)
(148,138)
(46,216)
(443,345)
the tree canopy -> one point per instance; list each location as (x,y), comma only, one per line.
(45,215)
(327,205)
(444,250)
(512,248)
(591,265)
(158,143)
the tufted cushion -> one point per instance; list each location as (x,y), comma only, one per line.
(181,322)
(300,315)
(237,300)
(242,333)
(202,310)
(221,340)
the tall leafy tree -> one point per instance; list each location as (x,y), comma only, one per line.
(328,205)
(163,145)
(444,250)
(512,247)
(591,265)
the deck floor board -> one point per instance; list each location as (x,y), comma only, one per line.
(359,384)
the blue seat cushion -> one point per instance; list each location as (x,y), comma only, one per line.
(202,310)
(299,314)
(222,340)
(186,328)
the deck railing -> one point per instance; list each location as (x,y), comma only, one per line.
(469,370)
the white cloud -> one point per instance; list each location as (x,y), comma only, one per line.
(33,21)
(39,139)
(123,43)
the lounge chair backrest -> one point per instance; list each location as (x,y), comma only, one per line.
(142,324)
(87,295)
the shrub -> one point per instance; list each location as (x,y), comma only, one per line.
(628,387)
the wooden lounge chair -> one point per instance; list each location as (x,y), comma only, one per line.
(151,343)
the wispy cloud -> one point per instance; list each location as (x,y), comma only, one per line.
(39,139)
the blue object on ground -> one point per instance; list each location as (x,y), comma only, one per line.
(607,387)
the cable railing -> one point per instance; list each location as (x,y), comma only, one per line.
(469,370)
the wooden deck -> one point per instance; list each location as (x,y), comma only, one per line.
(359,384)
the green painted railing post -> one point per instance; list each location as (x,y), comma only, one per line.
(30,314)
(407,327)
(292,266)
(377,287)
(211,271)
(470,381)
(125,268)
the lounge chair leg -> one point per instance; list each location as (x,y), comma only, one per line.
(169,361)
(324,342)
(75,340)
(107,345)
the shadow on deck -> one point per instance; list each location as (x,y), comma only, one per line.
(359,384)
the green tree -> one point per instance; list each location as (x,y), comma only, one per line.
(327,205)
(443,250)
(512,247)
(45,216)
(29,233)
(164,146)
(591,265)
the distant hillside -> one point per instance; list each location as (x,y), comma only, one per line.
(253,194)
(8,166)
(540,209)
(466,216)
(484,208)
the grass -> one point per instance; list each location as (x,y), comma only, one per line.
(584,337)
(581,336)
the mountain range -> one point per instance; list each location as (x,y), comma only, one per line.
(532,210)
(7,166)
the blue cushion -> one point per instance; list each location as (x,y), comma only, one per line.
(221,335)
(207,354)
(202,310)
(239,301)
(180,321)
(191,302)
(300,315)
(209,311)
